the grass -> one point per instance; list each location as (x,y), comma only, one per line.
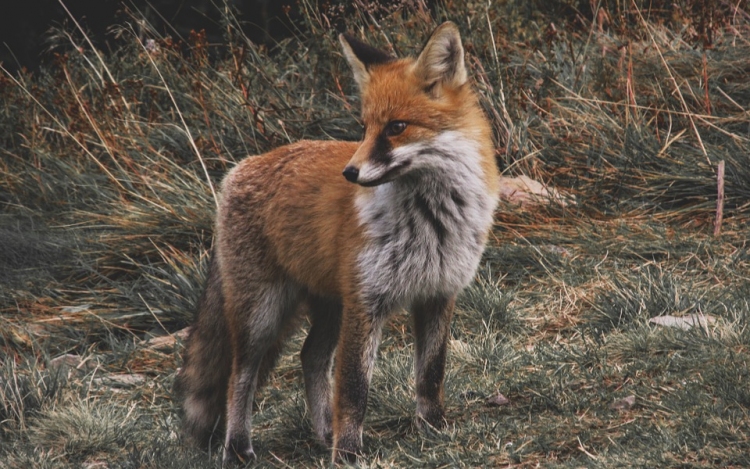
(109,162)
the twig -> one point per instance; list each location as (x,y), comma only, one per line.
(670,140)
(706,98)
(736,9)
(729,98)
(492,36)
(582,448)
(630,87)
(719,198)
(150,310)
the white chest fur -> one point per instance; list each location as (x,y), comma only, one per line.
(426,229)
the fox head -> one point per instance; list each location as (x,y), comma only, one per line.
(413,110)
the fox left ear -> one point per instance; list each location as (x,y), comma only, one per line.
(361,57)
(441,61)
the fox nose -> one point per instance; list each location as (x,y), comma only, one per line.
(351,173)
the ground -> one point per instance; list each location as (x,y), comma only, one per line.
(108,167)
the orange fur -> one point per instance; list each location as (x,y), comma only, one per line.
(291,230)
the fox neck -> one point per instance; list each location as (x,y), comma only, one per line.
(426,230)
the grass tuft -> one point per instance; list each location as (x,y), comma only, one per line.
(109,163)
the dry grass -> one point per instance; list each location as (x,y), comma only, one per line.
(107,173)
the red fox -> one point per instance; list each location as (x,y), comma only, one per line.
(404,227)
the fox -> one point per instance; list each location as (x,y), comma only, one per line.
(347,233)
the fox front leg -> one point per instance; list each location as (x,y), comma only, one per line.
(432,329)
(355,357)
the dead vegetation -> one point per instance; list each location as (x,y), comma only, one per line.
(107,174)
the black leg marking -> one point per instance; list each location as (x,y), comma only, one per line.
(317,358)
(432,330)
(355,358)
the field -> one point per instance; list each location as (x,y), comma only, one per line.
(609,327)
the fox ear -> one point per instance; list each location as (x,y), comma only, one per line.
(441,61)
(361,57)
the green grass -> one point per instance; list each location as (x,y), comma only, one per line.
(107,167)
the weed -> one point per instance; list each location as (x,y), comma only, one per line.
(110,162)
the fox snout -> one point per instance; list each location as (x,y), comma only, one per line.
(351,173)
(356,169)
(375,163)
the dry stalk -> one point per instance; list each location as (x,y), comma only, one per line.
(98,56)
(63,129)
(90,119)
(630,85)
(185,127)
(707,99)
(719,198)
(689,114)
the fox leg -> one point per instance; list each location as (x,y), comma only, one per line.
(432,330)
(355,356)
(317,358)
(259,317)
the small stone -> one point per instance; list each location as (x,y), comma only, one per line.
(623,404)
(75,309)
(497,400)
(167,342)
(68,360)
(123,380)
(684,322)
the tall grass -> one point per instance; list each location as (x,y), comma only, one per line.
(109,167)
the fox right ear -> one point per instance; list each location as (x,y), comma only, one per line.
(361,57)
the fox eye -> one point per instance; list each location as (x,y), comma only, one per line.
(394,128)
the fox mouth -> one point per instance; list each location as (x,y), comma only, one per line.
(388,176)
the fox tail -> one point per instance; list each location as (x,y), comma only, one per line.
(203,380)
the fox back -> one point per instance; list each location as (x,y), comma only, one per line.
(404,227)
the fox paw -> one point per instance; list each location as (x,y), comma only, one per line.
(347,450)
(434,418)
(238,450)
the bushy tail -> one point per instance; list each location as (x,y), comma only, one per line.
(202,382)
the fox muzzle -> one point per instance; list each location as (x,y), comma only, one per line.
(351,173)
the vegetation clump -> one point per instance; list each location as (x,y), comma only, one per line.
(635,112)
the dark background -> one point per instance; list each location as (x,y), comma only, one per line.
(25,24)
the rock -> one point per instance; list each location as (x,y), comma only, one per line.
(623,404)
(121,380)
(497,400)
(526,192)
(68,360)
(684,322)
(73,362)
(167,342)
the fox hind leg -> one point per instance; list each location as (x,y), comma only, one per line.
(260,315)
(317,359)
